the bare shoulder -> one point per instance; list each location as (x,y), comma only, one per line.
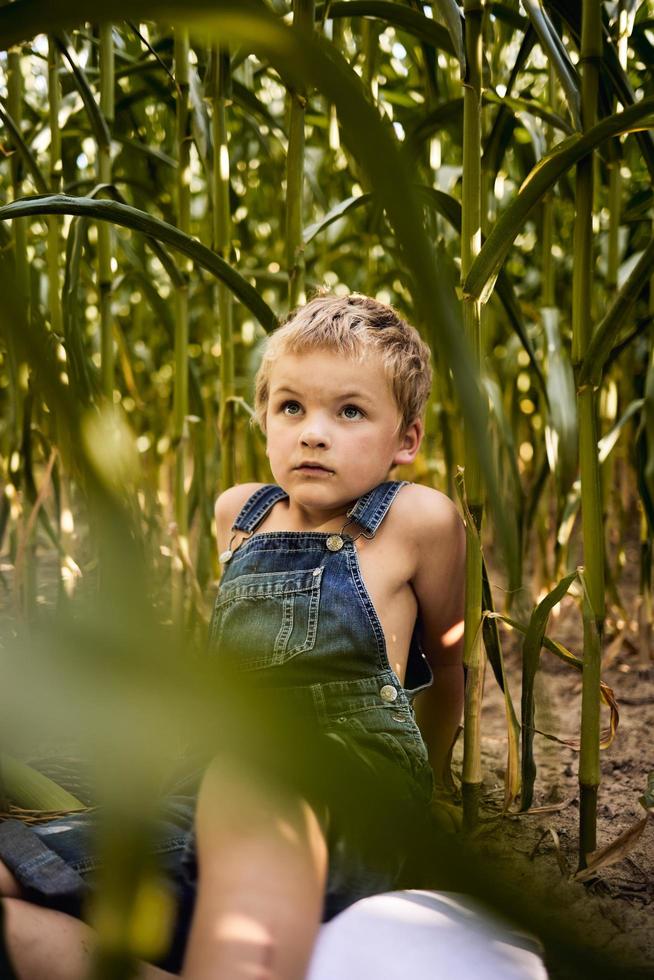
(229,503)
(429,514)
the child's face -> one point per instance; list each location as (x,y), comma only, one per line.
(329,410)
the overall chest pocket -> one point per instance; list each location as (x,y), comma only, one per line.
(264,619)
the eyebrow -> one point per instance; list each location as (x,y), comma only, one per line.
(358,395)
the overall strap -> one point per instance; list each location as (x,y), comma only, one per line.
(257,506)
(371,509)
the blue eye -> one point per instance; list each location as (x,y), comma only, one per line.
(290,408)
(352,408)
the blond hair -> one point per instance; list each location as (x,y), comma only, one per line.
(354,326)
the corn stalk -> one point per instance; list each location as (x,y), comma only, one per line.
(221,235)
(591,504)
(180,392)
(105,244)
(470,245)
(54,101)
(303,18)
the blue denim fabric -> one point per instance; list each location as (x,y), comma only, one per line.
(296,616)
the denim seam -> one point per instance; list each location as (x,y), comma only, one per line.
(370,521)
(383,506)
(373,618)
(257,506)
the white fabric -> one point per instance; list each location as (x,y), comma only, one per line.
(422,935)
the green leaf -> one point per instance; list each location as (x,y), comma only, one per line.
(481,278)
(27,788)
(561,434)
(607,443)
(399,16)
(96,118)
(607,332)
(129,217)
(338,211)
(493,648)
(530,661)
(451,14)
(24,150)
(555,52)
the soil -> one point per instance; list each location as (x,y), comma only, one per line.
(615,909)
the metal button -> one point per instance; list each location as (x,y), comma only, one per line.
(388,693)
(334,542)
(225,556)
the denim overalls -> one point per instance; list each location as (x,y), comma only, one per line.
(293,612)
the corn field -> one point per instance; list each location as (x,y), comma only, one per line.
(174,177)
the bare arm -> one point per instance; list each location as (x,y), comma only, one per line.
(439,585)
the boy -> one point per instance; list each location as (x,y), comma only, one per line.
(340,395)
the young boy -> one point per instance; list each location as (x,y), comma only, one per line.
(338,584)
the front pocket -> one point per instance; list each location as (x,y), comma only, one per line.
(264,619)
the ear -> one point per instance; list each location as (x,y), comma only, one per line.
(409,443)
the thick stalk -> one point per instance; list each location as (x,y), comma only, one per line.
(54,100)
(180,393)
(646,607)
(104,228)
(591,504)
(18,371)
(470,245)
(303,18)
(222,234)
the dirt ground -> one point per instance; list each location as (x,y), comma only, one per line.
(615,910)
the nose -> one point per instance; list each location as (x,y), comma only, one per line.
(315,433)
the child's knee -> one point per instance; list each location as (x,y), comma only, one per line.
(9,887)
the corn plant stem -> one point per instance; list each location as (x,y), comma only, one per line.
(18,372)
(470,245)
(548,294)
(54,101)
(303,18)
(180,391)
(615,188)
(591,506)
(222,234)
(612,516)
(104,228)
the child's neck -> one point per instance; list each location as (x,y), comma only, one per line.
(297,517)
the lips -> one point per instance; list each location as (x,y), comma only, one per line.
(313,468)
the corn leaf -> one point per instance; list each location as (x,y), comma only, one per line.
(530,660)
(25,152)
(399,16)
(451,14)
(160,231)
(608,330)
(561,433)
(614,80)
(607,443)
(31,790)
(96,119)
(481,278)
(554,51)
(618,849)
